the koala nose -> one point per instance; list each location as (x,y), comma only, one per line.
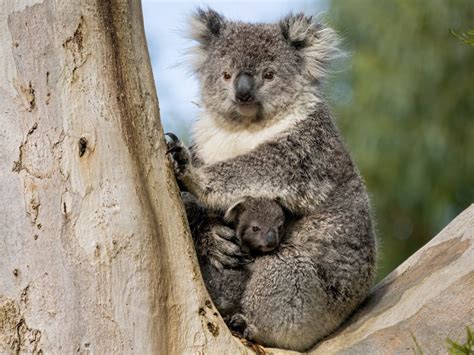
(271,239)
(244,85)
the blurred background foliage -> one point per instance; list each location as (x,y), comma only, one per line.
(404,101)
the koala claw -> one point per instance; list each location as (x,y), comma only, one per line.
(173,145)
(179,154)
(173,136)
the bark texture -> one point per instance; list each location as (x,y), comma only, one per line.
(96,255)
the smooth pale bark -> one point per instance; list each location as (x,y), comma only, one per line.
(96,255)
(95,252)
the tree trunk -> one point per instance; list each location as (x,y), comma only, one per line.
(96,253)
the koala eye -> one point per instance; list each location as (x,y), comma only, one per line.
(227,76)
(255,228)
(269,75)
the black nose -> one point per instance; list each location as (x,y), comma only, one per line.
(271,239)
(244,86)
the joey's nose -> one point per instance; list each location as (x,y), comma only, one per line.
(244,86)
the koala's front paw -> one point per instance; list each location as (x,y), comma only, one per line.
(180,155)
(239,323)
(222,248)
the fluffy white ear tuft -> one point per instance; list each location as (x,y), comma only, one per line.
(317,43)
(204,27)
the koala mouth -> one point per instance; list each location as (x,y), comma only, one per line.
(248,108)
(266,250)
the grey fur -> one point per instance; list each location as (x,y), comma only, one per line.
(285,148)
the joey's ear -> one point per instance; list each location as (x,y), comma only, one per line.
(316,42)
(205,25)
(234,211)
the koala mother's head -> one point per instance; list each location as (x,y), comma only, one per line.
(253,73)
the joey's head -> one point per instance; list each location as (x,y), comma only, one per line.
(259,224)
(253,73)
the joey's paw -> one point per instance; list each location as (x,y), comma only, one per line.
(222,248)
(179,154)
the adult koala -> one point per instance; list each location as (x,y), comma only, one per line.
(265,131)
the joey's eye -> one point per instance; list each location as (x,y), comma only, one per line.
(269,75)
(255,228)
(226,75)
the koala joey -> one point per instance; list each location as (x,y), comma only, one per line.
(265,131)
(259,226)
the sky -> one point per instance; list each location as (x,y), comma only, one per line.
(165,24)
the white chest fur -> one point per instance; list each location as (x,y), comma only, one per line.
(215,144)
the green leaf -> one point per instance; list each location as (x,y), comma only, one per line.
(466,37)
(455,348)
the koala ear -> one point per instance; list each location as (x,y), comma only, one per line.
(295,28)
(234,211)
(205,25)
(316,42)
